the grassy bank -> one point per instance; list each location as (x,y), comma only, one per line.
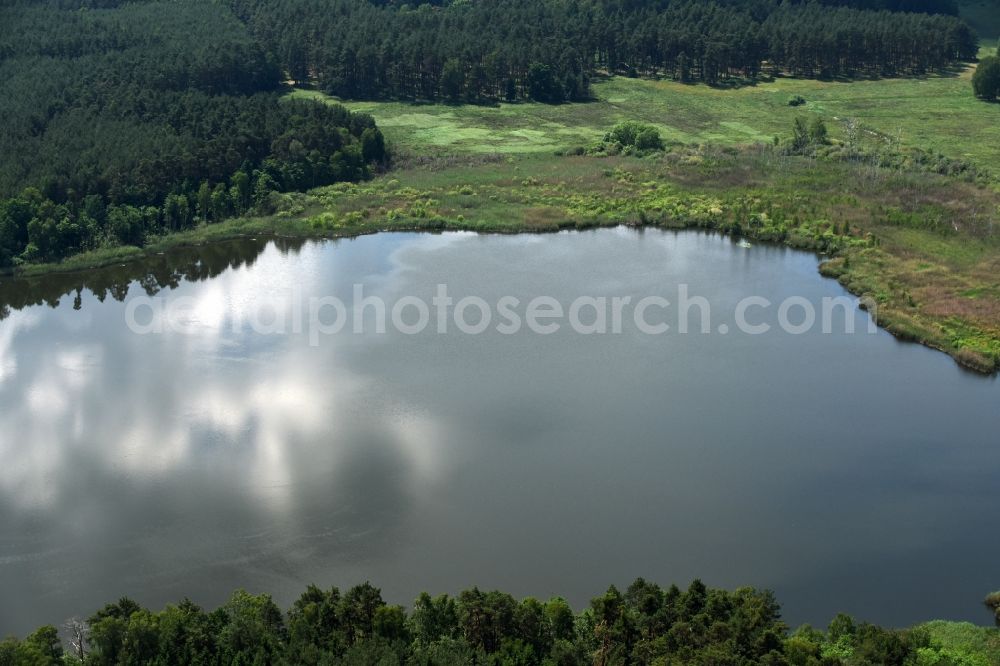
(919,244)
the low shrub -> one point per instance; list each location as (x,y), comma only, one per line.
(631,134)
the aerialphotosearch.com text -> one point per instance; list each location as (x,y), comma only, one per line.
(655,314)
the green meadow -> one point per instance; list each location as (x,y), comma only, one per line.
(936,113)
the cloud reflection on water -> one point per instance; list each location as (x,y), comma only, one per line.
(168,465)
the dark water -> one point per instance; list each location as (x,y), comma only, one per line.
(847,472)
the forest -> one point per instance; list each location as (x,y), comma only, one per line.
(645,624)
(128,120)
(549,51)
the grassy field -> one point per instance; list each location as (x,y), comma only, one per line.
(937,113)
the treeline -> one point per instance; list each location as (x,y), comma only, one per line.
(644,625)
(129,119)
(949,7)
(155,273)
(548,50)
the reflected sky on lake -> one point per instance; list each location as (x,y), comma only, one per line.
(847,472)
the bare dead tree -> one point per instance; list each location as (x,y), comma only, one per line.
(77,631)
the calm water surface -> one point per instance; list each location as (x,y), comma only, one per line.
(847,472)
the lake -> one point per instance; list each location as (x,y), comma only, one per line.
(848,472)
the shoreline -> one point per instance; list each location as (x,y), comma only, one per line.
(830,265)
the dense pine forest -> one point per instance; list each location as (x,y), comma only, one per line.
(125,120)
(466,50)
(646,624)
